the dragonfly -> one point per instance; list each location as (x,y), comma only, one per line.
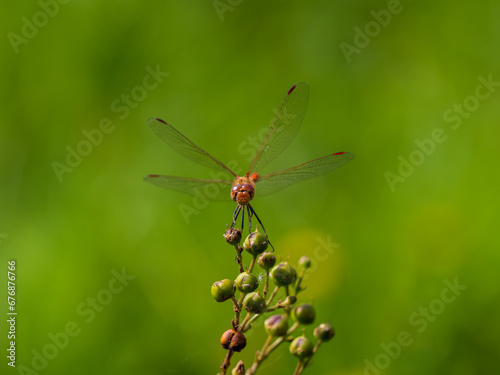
(242,189)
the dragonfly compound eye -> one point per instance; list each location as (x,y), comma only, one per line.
(242,193)
(234,191)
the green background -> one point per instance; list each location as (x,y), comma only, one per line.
(394,249)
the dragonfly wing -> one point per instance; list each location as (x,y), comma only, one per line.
(284,127)
(278,180)
(213,190)
(181,144)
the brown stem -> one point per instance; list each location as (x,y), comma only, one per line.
(266,285)
(226,362)
(239,258)
(298,368)
(237,310)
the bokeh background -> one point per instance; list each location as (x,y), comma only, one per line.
(398,239)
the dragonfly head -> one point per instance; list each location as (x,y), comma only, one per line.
(243,190)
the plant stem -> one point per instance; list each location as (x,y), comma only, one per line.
(239,258)
(316,347)
(266,285)
(281,339)
(253,319)
(273,294)
(239,304)
(299,281)
(237,310)
(226,362)
(252,264)
(268,348)
(256,316)
(245,321)
(260,357)
(297,369)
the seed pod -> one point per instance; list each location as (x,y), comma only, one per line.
(226,337)
(324,332)
(301,347)
(255,243)
(223,290)
(283,274)
(238,342)
(304,314)
(254,303)
(232,236)
(266,261)
(276,325)
(246,282)
(305,262)
(239,369)
(290,300)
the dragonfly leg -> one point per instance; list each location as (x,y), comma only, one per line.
(242,217)
(249,219)
(235,215)
(262,225)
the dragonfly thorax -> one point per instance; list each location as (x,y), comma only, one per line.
(243,190)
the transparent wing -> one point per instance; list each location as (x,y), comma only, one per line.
(284,128)
(181,144)
(278,180)
(213,190)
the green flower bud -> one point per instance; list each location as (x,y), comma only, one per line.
(233,236)
(223,290)
(238,342)
(254,303)
(305,262)
(290,300)
(301,347)
(256,243)
(276,325)
(266,261)
(246,282)
(283,274)
(304,314)
(324,332)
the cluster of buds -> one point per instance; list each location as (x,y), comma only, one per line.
(256,298)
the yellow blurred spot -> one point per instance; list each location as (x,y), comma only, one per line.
(327,260)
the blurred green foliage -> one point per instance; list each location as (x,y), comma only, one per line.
(394,250)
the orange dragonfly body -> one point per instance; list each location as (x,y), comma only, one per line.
(243,189)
